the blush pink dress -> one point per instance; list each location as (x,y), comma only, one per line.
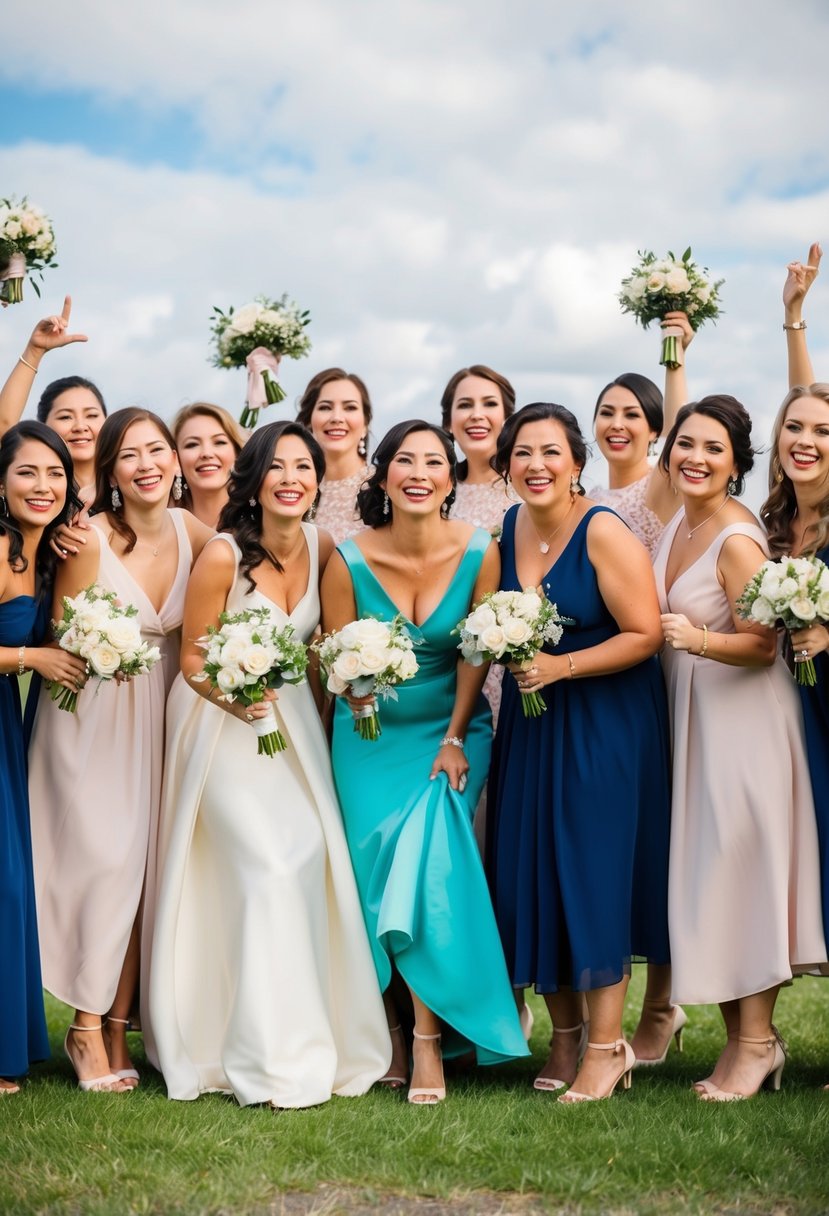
(744,884)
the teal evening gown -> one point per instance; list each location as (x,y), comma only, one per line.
(419,873)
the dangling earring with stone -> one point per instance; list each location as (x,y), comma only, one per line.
(251,502)
(115,498)
(178,484)
(732,486)
(311,513)
(3,510)
(778,470)
(444,509)
(652,448)
(362,446)
(574,485)
(386,508)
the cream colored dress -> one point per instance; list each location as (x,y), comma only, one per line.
(94,789)
(629,502)
(262,982)
(337,508)
(744,884)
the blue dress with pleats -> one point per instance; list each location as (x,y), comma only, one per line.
(419,873)
(579,803)
(815,703)
(23,1037)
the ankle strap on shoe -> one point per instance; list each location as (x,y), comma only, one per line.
(768,1040)
(568,1029)
(74,1027)
(425,1036)
(616,1045)
(120,1021)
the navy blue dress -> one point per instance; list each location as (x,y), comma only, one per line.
(815,702)
(579,798)
(23,1037)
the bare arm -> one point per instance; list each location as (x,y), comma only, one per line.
(48,334)
(799,279)
(660,496)
(51,662)
(752,645)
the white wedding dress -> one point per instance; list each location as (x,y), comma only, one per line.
(261,980)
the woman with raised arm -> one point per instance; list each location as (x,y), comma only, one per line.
(569,790)
(744,884)
(799,280)
(208,440)
(95,775)
(36,496)
(262,983)
(336,409)
(49,334)
(409,796)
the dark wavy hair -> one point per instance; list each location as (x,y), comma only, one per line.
(318,382)
(541,411)
(54,390)
(646,393)
(732,415)
(12,441)
(780,508)
(448,398)
(110,442)
(240,516)
(371,497)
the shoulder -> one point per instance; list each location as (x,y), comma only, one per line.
(218,558)
(610,540)
(604,525)
(198,533)
(325,547)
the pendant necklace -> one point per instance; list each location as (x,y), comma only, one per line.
(544,544)
(697,527)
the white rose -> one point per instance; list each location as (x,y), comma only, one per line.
(763,612)
(677,281)
(258,660)
(823,606)
(229,679)
(88,643)
(823,581)
(123,633)
(13,229)
(702,293)
(494,640)
(269,316)
(348,666)
(636,288)
(656,281)
(243,321)
(517,632)
(335,684)
(366,632)
(405,664)
(375,659)
(528,605)
(104,660)
(803,608)
(478,620)
(233,652)
(30,223)
(770,585)
(788,588)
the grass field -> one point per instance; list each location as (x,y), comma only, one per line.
(495,1146)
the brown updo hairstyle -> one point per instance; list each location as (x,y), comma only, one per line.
(780,508)
(448,398)
(110,442)
(732,415)
(225,421)
(371,497)
(541,411)
(318,382)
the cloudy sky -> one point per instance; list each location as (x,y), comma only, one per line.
(440,182)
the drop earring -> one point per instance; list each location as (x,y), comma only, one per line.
(178,484)
(652,448)
(311,513)
(732,486)
(115,498)
(444,509)
(386,508)
(251,502)
(362,446)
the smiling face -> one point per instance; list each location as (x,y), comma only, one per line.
(541,467)
(77,417)
(621,428)
(702,458)
(803,447)
(35,485)
(338,421)
(145,465)
(290,485)
(206,453)
(477,416)
(419,477)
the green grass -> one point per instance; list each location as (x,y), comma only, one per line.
(494,1146)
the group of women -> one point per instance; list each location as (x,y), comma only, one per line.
(315,923)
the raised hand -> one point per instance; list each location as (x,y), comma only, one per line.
(799,279)
(52,332)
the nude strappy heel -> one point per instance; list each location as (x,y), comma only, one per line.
(678,1022)
(771,1080)
(124,1074)
(95,1085)
(625,1075)
(394,1080)
(431,1094)
(548,1084)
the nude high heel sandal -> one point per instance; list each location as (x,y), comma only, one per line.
(393,1080)
(770,1081)
(678,1023)
(95,1085)
(624,1076)
(431,1094)
(125,1074)
(548,1084)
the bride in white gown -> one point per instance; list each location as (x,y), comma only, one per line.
(261,981)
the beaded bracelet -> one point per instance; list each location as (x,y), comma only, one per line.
(572,666)
(701,654)
(21,661)
(453,739)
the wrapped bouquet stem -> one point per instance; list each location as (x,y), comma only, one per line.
(27,245)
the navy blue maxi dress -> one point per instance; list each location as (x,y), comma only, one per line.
(23,1037)
(577,843)
(815,703)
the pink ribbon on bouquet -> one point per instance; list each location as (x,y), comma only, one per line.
(16,268)
(260,360)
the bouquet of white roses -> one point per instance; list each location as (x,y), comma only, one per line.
(104,633)
(370,657)
(247,654)
(793,590)
(256,337)
(657,286)
(511,627)
(27,243)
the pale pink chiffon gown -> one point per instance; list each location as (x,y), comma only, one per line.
(95,787)
(744,884)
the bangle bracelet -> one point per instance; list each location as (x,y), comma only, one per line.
(701,653)
(26,363)
(795,325)
(453,739)
(21,661)
(572,666)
